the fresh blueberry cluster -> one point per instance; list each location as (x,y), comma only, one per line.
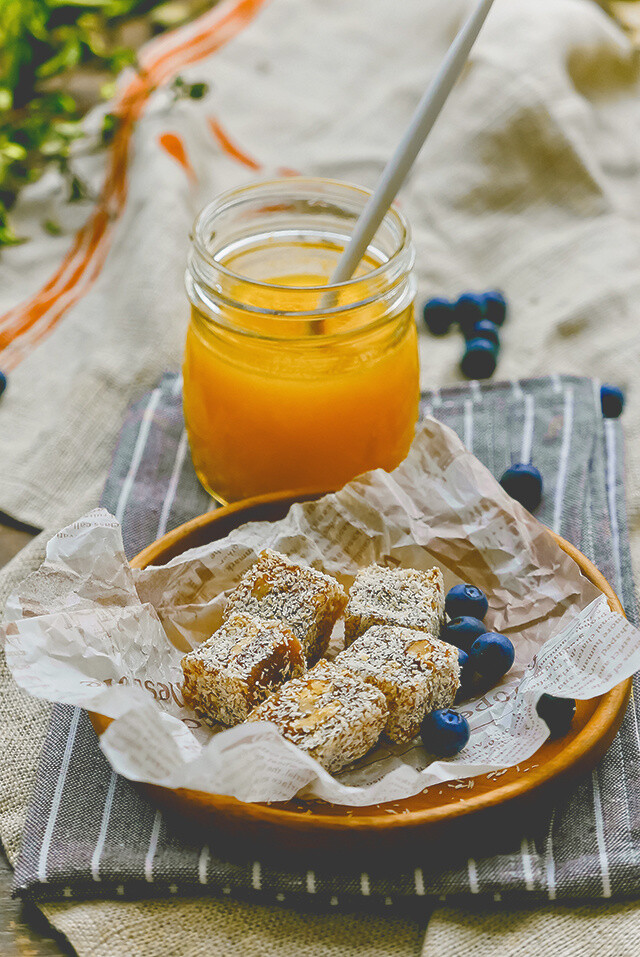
(479,317)
(484,657)
(487,654)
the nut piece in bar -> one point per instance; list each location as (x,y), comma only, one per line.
(331,714)
(416,673)
(394,596)
(238,666)
(307,600)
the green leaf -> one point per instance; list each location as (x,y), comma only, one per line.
(170,14)
(121,58)
(107,90)
(53,145)
(7,235)
(78,190)
(60,102)
(198,90)
(13,151)
(68,57)
(52,227)
(68,129)
(110,124)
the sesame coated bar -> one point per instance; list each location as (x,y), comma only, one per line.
(309,601)
(394,596)
(331,714)
(416,673)
(238,666)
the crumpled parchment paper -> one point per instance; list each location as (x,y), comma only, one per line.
(86,629)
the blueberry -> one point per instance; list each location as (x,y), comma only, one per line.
(479,360)
(466,674)
(3,382)
(523,482)
(467,311)
(438,316)
(495,307)
(492,655)
(466,601)
(485,329)
(612,401)
(444,733)
(557,713)
(462,632)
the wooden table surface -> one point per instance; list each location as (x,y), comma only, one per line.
(24,932)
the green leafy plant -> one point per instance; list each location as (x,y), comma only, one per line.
(42,43)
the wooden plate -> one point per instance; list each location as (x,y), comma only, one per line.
(442,817)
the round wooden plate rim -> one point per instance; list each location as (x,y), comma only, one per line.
(610,708)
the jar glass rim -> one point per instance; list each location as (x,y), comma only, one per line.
(227,198)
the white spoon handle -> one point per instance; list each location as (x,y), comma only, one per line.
(409,146)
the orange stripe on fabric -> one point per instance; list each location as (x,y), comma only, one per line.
(20,347)
(176,149)
(113,195)
(230,148)
(39,309)
(85,245)
(240,15)
(132,99)
(91,238)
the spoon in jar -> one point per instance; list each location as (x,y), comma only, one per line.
(397,168)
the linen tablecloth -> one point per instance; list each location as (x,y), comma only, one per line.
(530,182)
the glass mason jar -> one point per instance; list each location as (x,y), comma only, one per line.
(290,383)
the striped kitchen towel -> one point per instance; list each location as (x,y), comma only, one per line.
(90,833)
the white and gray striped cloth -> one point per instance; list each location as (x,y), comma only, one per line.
(91,833)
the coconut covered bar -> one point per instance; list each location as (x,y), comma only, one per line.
(395,596)
(415,672)
(307,600)
(238,666)
(331,714)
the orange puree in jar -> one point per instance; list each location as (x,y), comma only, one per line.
(286,387)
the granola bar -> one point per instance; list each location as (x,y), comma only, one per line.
(238,666)
(309,601)
(333,715)
(395,596)
(416,672)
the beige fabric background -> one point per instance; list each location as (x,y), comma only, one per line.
(530,183)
